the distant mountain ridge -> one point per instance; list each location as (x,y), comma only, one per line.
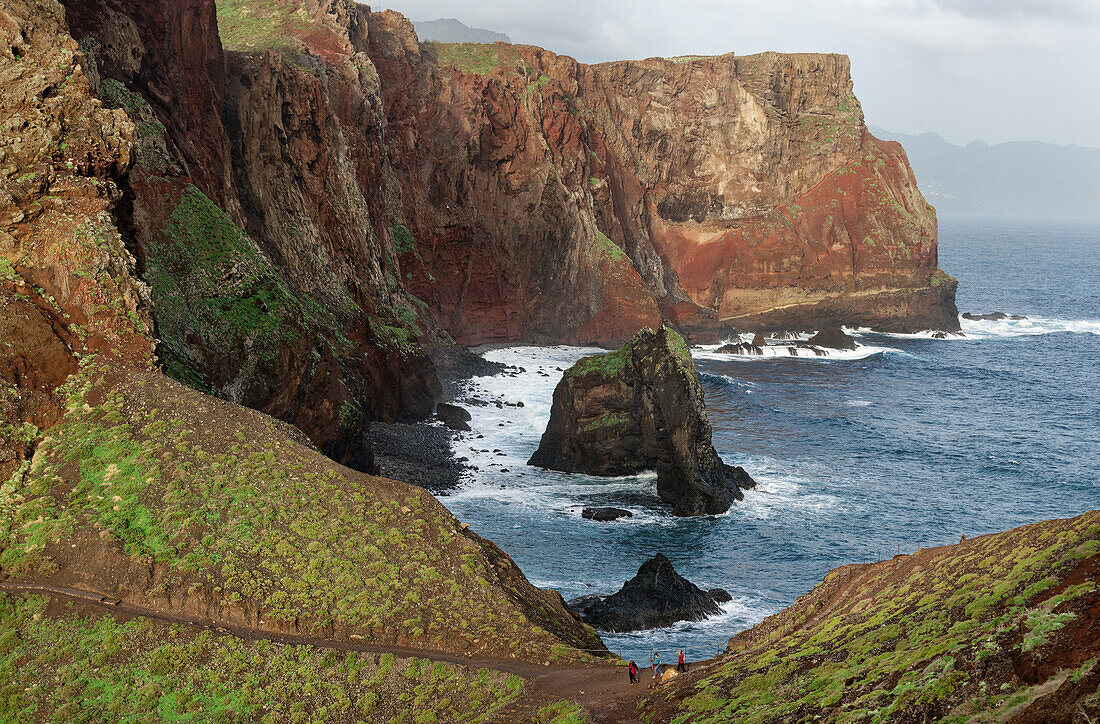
(1025,178)
(449,30)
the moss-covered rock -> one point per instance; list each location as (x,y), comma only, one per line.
(641,408)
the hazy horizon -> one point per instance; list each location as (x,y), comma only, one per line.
(989,70)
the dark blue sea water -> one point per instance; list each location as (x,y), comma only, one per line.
(909,442)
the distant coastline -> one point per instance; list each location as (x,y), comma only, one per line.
(1018,179)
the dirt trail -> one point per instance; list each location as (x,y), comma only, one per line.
(603,689)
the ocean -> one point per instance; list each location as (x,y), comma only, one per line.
(907,442)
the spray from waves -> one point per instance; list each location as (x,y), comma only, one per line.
(981,329)
(502,440)
(781,350)
(695,637)
(987,329)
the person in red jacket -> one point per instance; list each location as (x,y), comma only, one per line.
(681,665)
(633,669)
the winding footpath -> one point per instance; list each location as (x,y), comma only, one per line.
(602,689)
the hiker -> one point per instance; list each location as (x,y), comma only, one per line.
(681,665)
(655,662)
(633,669)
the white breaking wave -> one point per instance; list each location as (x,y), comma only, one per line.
(782,349)
(987,329)
(978,329)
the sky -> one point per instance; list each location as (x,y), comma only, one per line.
(990,70)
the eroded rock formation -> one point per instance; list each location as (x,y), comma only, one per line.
(657,596)
(641,408)
(320,201)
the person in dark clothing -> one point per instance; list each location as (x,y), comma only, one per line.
(633,669)
(681,664)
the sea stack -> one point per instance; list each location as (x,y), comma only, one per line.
(657,596)
(641,408)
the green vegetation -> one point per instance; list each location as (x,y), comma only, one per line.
(403,240)
(562,712)
(260,25)
(244,513)
(209,280)
(940,278)
(116,95)
(610,249)
(911,636)
(72,668)
(476,58)
(606,421)
(689,58)
(612,364)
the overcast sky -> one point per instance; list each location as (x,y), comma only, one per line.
(995,70)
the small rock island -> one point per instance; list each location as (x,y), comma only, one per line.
(656,597)
(641,408)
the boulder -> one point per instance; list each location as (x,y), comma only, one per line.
(992,317)
(657,597)
(832,337)
(784,335)
(605,515)
(641,408)
(453,416)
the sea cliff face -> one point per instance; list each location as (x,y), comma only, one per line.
(745,191)
(322,205)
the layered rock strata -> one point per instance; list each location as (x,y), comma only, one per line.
(641,408)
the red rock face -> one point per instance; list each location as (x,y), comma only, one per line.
(745,190)
(493,181)
(384,189)
(305,324)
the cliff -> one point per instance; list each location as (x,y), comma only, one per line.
(320,203)
(121,481)
(744,190)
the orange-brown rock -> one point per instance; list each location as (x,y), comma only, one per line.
(320,200)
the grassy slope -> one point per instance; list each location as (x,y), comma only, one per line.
(238,520)
(974,632)
(59,666)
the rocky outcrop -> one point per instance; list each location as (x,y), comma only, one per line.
(641,408)
(156,494)
(1018,611)
(605,515)
(992,317)
(453,416)
(657,597)
(833,338)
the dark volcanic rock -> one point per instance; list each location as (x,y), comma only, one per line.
(992,317)
(658,596)
(741,348)
(453,416)
(605,515)
(419,454)
(833,337)
(759,341)
(641,408)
